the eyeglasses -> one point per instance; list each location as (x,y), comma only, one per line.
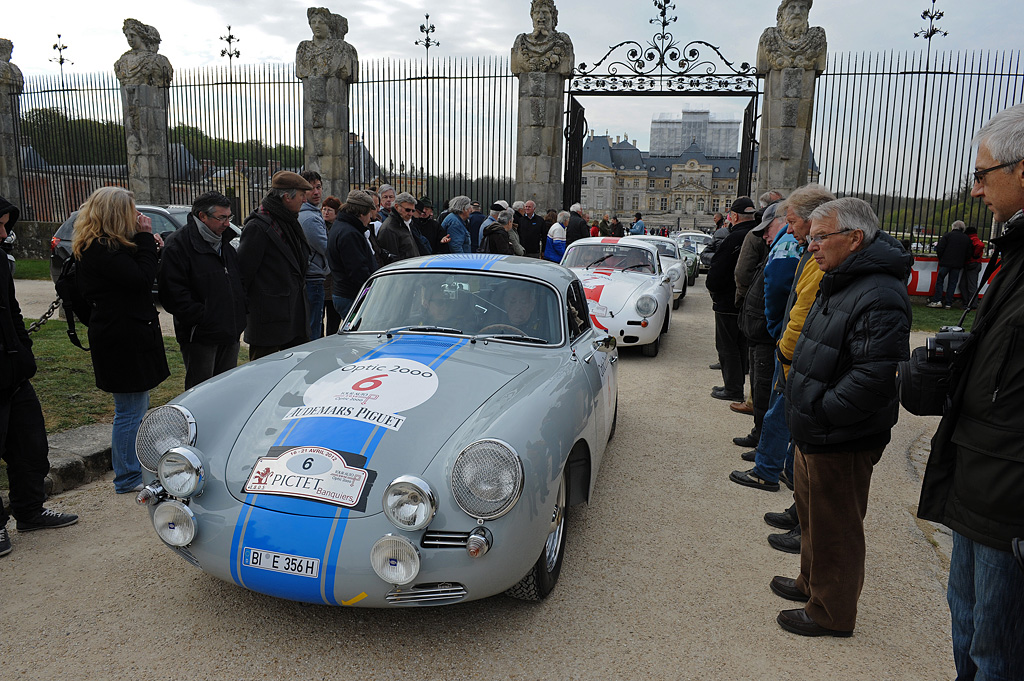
(979,175)
(220,218)
(822,237)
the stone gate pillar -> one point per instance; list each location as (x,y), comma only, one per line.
(11,85)
(542,60)
(145,78)
(327,65)
(791,56)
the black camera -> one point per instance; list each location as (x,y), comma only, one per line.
(943,346)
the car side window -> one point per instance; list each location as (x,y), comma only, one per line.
(161,224)
(577,311)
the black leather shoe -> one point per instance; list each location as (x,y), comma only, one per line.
(748,479)
(784,479)
(720,393)
(715,367)
(798,622)
(749,456)
(788,542)
(786,587)
(748,440)
(784,521)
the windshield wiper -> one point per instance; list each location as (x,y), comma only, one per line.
(435,329)
(599,261)
(510,336)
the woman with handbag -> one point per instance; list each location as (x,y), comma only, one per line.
(117,265)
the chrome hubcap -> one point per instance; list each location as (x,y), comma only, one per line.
(554,541)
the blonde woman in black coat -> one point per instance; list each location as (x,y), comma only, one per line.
(117,264)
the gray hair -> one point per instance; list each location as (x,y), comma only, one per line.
(460,204)
(505,216)
(769,197)
(1004,136)
(281,193)
(384,188)
(575,208)
(405,197)
(849,213)
(804,200)
(563,216)
(959,224)
(518,205)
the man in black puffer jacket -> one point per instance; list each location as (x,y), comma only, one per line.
(974,482)
(841,406)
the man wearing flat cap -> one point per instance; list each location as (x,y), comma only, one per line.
(349,254)
(272,257)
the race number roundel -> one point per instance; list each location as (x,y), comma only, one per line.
(384,384)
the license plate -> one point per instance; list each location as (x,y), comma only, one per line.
(281,562)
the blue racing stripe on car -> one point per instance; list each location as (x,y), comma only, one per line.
(295,527)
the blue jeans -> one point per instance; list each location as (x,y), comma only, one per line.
(129,408)
(342,305)
(986,602)
(951,277)
(774,449)
(315,296)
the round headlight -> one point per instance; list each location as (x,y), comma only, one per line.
(395,559)
(163,428)
(181,472)
(646,305)
(175,523)
(409,503)
(487,479)
(673,274)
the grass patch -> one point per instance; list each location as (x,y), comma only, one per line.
(32,268)
(931,319)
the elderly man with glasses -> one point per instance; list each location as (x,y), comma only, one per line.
(974,482)
(201,286)
(841,406)
(396,235)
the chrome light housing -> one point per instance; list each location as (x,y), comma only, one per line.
(175,523)
(395,559)
(409,503)
(646,305)
(181,472)
(162,429)
(487,479)
(673,274)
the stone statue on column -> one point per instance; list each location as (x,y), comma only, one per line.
(145,78)
(791,56)
(542,60)
(11,85)
(327,65)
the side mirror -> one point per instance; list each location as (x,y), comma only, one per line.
(606,344)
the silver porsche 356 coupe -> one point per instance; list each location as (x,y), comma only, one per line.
(424,455)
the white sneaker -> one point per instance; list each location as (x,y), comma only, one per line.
(934,303)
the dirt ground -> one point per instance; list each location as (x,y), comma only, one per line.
(666,576)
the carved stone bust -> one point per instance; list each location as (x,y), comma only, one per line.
(10,74)
(141,65)
(545,49)
(792,43)
(327,55)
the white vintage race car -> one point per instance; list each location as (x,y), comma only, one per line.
(672,262)
(629,294)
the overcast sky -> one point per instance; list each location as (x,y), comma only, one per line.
(270,30)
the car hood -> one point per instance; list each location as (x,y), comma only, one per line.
(610,291)
(354,414)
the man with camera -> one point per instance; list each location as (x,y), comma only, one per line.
(841,406)
(974,482)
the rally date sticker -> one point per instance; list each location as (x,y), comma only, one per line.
(374,391)
(315,473)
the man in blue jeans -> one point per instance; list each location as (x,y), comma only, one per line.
(974,481)
(954,250)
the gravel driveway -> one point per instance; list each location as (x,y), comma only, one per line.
(666,575)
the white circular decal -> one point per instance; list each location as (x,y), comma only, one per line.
(384,384)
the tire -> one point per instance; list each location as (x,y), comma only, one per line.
(542,577)
(675,303)
(686,286)
(651,349)
(615,421)
(690,281)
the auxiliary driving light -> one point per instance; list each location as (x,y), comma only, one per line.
(175,523)
(395,559)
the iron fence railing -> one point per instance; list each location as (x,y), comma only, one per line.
(72,141)
(896,128)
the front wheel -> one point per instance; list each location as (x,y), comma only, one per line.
(542,577)
(651,349)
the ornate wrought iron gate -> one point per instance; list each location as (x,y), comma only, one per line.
(660,68)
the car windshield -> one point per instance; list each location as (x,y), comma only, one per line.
(461,303)
(666,249)
(616,256)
